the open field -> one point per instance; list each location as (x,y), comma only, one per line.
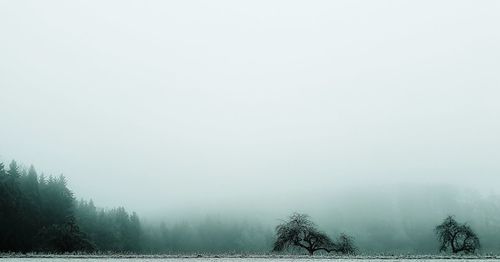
(263,258)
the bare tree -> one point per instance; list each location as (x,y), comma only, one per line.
(300,232)
(458,237)
(344,245)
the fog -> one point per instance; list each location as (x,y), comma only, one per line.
(255,109)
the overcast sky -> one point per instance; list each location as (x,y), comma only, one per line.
(220,103)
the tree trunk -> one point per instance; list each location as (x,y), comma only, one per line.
(453,247)
(311,251)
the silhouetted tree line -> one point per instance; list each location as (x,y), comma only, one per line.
(39,213)
(109,230)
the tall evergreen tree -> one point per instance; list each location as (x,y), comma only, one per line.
(37,214)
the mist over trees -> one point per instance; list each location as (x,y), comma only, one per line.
(396,220)
(109,230)
(37,213)
(40,213)
(209,235)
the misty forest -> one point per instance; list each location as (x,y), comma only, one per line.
(41,214)
(249,131)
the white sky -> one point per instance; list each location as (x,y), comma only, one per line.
(210,103)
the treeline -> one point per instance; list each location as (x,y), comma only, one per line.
(37,213)
(109,230)
(40,214)
(400,220)
(115,230)
(210,235)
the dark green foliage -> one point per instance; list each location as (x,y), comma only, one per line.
(37,214)
(62,238)
(110,230)
(10,198)
(457,237)
(41,214)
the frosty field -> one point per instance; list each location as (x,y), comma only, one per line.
(235,259)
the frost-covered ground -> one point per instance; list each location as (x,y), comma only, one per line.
(136,258)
